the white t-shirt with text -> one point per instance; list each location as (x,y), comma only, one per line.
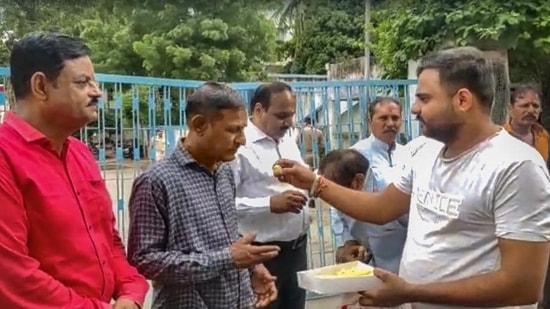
(461,206)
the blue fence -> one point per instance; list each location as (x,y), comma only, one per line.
(134,109)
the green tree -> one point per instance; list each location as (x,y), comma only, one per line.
(226,41)
(182,39)
(18,17)
(409,29)
(330,31)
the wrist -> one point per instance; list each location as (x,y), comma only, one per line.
(272,203)
(410,293)
(313,179)
(313,186)
(318,185)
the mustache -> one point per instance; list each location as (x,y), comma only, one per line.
(93,101)
(419,118)
(530,117)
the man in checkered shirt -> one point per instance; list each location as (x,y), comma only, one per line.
(183,226)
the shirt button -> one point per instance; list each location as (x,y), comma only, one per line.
(89,227)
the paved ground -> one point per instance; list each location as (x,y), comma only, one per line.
(119,183)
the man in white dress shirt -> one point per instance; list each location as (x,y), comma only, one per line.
(478,199)
(273,210)
(386,158)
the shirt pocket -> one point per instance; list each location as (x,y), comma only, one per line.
(96,202)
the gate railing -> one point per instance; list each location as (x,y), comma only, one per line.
(134,109)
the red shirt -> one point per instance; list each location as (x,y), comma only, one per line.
(58,244)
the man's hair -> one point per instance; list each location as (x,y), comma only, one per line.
(463,67)
(380,100)
(211,98)
(518,91)
(345,164)
(42,52)
(264,92)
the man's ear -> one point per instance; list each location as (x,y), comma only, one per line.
(39,85)
(257,108)
(198,124)
(358,181)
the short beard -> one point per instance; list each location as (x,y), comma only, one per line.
(445,132)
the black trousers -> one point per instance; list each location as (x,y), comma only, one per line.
(291,259)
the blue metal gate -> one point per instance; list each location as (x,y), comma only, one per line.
(134,109)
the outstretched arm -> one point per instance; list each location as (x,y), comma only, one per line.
(378,208)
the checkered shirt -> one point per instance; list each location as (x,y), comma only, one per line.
(182,222)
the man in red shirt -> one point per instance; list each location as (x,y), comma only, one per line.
(58,244)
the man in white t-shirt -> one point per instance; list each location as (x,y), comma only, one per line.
(478,199)
(418,143)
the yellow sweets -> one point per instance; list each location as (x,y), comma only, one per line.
(349,273)
(277,170)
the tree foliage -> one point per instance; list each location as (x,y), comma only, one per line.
(218,40)
(224,40)
(409,29)
(330,31)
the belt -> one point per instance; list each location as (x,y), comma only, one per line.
(287,245)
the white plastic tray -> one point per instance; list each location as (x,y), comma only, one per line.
(311,281)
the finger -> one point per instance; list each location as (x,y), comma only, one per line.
(350,258)
(357,251)
(271,278)
(295,200)
(298,198)
(361,250)
(294,210)
(383,275)
(265,299)
(247,239)
(262,258)
(274,293)
(361,256)
(300,201)
(366,301)
(260,303)
(268,279)
(298,194)
(296,205)
(286,163)
(254,250)
(262,300)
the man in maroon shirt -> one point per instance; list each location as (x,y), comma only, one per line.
(58,244)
